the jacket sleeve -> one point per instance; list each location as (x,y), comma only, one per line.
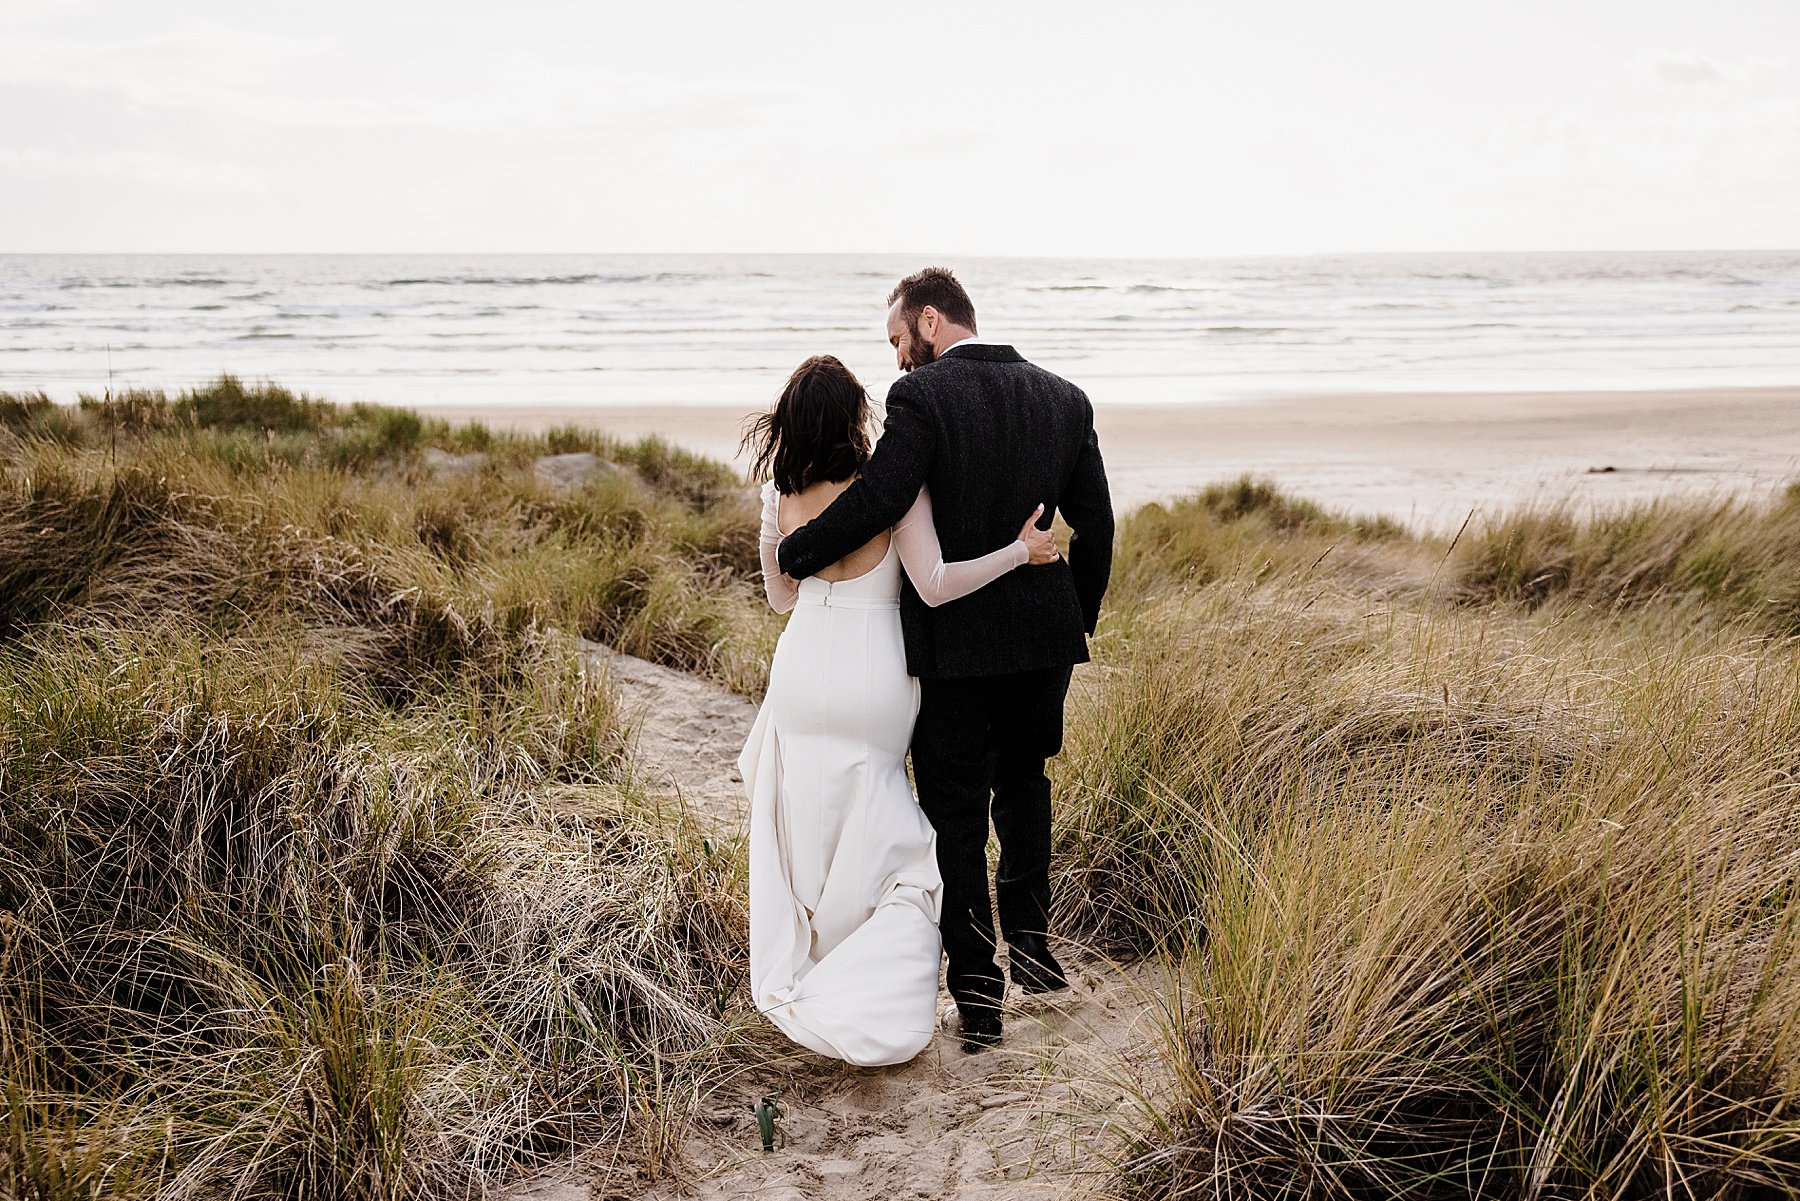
(1087,507)
(876,501)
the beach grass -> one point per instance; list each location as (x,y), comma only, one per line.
(323,873)
(1726,554)
(270,933)
(1475,890)
(231,502)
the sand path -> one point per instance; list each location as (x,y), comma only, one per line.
(1032,1118)
(686,733)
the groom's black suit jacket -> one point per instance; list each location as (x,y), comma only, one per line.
(992,436)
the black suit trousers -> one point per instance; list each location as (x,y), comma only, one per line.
(977,739)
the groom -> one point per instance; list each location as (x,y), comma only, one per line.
(992,436)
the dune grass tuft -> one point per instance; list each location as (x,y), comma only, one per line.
(1733,553)
(272,932)
(321,875)
(1248,527)
(241,502)
(1488,901)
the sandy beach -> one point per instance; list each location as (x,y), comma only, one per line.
(1426,458)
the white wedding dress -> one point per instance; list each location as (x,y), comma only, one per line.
(844,884)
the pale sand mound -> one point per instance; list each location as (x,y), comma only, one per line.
(1030,1119)
(686,733)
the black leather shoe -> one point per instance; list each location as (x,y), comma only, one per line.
(1032,966)
(980,1029)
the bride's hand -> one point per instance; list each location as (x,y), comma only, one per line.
(1041,544)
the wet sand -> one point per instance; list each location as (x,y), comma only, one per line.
(1426,458)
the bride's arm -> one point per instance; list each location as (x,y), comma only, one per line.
(937,581)
(782,590)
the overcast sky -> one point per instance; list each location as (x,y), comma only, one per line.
(1190,128)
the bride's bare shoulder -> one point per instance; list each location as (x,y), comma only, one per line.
(825,491)
(812,500)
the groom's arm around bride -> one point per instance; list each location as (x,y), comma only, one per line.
(992,436)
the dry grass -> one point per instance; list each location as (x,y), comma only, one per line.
(1490,902)
(347,524)
(319,874)
(1247,529)
(269,933)
(1474,863)
(1730,554)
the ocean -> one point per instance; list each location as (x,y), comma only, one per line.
(726,329)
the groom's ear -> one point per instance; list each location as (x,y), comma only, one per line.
(929,317)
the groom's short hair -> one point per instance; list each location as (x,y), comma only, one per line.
(937,287)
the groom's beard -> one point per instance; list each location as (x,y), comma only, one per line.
(918,351)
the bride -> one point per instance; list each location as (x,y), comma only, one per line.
(844,884)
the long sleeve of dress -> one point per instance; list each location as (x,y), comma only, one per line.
(935,580)
(781,590)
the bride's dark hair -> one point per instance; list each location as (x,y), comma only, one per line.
(818,430)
